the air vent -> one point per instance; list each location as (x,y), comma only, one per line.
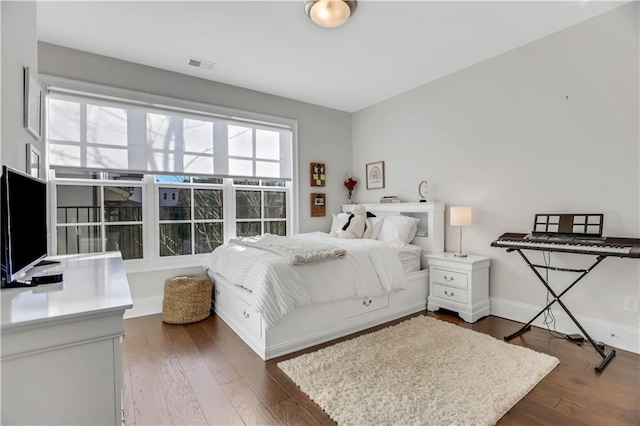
(199,63)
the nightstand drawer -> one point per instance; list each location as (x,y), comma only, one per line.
(449,293)
(449,278)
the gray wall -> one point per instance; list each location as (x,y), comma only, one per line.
(324,135)
(548,127)
(19,49)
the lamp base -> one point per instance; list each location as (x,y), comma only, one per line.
(460,254)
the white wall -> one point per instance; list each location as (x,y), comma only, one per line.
(324,135)
(19,49)
(549,127)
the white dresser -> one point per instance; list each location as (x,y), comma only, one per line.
(62,344)
(459,284)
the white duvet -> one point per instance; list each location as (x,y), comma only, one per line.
(369,268)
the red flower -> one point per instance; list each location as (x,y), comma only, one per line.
(350,183)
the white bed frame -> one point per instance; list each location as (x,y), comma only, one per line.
(310,325)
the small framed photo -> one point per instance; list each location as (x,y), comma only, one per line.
(33,161)
(375,175)
(33,100)
(319,201)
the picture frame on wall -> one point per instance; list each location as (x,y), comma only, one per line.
(33,161)
(375,175)
(33,99)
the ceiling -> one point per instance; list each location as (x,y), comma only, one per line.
(386,48)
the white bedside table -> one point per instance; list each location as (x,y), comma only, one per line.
(459,284)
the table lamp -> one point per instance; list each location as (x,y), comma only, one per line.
(460,216)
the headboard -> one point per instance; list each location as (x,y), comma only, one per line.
(430,234)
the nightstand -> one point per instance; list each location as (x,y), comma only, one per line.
(459,284)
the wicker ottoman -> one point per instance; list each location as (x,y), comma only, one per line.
(186,299)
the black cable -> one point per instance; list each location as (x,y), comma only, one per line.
(549,318)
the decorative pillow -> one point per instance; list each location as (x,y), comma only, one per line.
(339,221)
(398,229)
(369,215)
(376,225)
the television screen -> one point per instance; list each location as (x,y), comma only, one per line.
(24,223)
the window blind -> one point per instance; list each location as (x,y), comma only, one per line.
(94,133)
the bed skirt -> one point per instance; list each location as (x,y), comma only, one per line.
(311,325)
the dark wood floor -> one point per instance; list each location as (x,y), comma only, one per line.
(203,374)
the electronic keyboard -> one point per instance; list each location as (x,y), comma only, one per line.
(602,246)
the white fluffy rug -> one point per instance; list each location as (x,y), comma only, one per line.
(421,371)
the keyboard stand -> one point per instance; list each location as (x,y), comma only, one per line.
(556,298)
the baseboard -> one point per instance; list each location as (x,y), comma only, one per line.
(144,306)
(612,334)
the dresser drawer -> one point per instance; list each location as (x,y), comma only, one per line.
(246,317)
(449,278)
(355,307)
(220,297)
(449,293)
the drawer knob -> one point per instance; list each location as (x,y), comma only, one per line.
(246,315)
(366,302)
(446,293)
(448,278)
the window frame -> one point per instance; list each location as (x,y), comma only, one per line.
(152,260)
(178,262)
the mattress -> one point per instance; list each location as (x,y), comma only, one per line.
(409,256)
(369,268)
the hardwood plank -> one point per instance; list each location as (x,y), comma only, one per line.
(214,358)
(182,403)
(247,404)
(128,409)
(217,409)
(150,407)
(183,346)
(296,394)
(289,412)
(260,393)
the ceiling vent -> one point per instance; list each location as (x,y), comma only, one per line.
(199,63)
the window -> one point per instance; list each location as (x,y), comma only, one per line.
(104,212)
(192,221)
(159,178)
(99,217)
(260,210)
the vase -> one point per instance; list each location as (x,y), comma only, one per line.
(351,196)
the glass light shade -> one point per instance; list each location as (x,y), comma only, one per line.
(460,216)
(330,13)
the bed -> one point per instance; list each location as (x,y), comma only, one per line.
(277,322)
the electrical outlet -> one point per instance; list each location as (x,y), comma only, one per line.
(631,304)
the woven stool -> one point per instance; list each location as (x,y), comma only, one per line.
(186,299)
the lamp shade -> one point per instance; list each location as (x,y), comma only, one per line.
(329,13)
(460,216)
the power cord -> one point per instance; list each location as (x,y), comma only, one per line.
(549,318)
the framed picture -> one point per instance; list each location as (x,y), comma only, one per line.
(375,175)
(32,104)
(33,161)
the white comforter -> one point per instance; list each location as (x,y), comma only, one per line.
(369,268)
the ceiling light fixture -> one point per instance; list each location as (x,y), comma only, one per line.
(330,13)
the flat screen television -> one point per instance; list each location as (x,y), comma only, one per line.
(24,223)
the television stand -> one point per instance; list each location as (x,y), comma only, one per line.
(61,353)
(47,262)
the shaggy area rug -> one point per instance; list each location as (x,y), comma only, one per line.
(421,371)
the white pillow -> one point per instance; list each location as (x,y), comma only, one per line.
(376,225)
(398,229)
(339,221)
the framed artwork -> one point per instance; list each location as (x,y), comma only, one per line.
(318,204)
(317,173)
(33,161)
(375,175)
(32,105)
